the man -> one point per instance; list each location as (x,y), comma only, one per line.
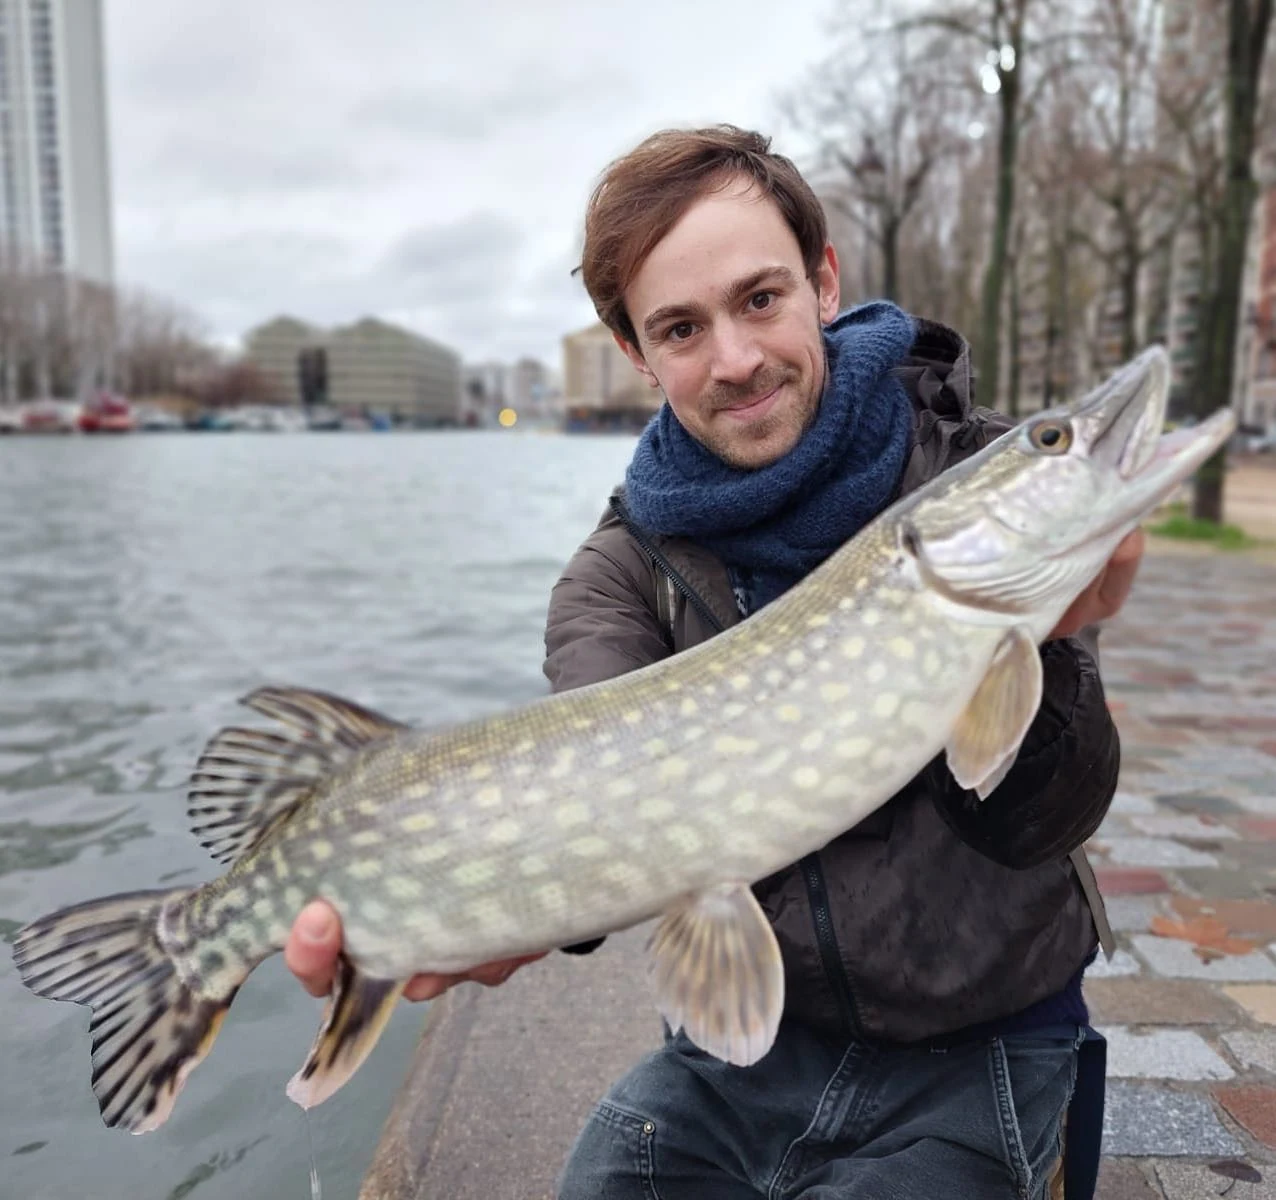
(934,954)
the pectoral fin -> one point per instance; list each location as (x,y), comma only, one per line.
(987,735)
(357,1012)
(716,971)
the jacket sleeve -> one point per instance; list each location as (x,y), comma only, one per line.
(599,625)
(1058,791)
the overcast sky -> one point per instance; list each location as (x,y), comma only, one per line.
(423,160)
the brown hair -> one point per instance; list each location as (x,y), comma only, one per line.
(642,195)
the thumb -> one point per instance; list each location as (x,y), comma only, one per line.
(313,946)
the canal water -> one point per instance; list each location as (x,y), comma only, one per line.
(147,582)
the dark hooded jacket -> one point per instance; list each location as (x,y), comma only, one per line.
(937,913)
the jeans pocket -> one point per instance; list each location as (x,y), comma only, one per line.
(1033,1080)
(613,1159)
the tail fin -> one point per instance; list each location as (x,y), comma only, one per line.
(149,1028)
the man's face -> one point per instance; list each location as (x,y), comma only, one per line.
(729,326)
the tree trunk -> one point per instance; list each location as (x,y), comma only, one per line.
(989,361)
(1220,319)
(890,257)
(1016,358)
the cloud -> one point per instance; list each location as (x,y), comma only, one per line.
(403,158)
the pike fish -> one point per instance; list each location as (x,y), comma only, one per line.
(664,793)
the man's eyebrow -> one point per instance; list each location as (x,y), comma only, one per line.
(733,292)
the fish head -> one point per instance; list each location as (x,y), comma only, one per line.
(1018,530)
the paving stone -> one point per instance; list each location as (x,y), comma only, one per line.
(1253,1105)
(1257,999)
(1195,1181)
(1253,1049)
(1154,852)
(1120,1179)
(1123,963)
(1141,1119)
(1178,959)
(1133,914)
(1182,825)
(1239,916)
(1162,1054)
(1127,881)
(1221,884)
(1151,1001)
(1198,802)
(1128,804)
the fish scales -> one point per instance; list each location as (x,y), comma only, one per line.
(666,792)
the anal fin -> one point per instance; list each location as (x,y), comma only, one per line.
(716,971)
(353,1020)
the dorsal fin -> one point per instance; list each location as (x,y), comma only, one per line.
(247,780)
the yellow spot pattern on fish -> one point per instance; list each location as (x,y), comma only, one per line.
(730,744)
(572,814)
(532,865)
(480,770)
(853,747)
(505,832)
(817,621)
(831,693)
(688,708)
(673,769)
(364,868)
(813,741)
(418,822)
(429,853)
(853,647)
(616,789)
(655,747)
(744,803)
(709,785)
(806,777)
(488,797)
(685,838)
(589,847)
(320,851)
(404,887)
(552,897)
(475,873)
(656,808)
(773,762)
(564,761)
(886,705)
(795,658)
(789,713)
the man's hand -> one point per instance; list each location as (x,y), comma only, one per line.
(315,942)
(1105,596)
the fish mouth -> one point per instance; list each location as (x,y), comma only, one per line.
(1121,424)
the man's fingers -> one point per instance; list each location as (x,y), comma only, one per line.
(313,946)
(428,987)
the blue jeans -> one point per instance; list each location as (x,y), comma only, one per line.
(824,1121)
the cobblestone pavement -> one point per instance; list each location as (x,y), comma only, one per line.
(1187,861)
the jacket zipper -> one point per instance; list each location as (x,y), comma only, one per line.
(816,888)
(666,567)
(826,938)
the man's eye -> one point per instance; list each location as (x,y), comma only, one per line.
(761,300)
(681,331)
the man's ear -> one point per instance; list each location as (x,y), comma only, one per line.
(635,356)
(828,285)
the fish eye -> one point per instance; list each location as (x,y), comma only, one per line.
(1052,437)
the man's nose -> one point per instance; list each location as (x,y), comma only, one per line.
(736,354)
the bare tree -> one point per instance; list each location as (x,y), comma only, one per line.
(882,128)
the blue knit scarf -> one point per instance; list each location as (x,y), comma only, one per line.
(774,525)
